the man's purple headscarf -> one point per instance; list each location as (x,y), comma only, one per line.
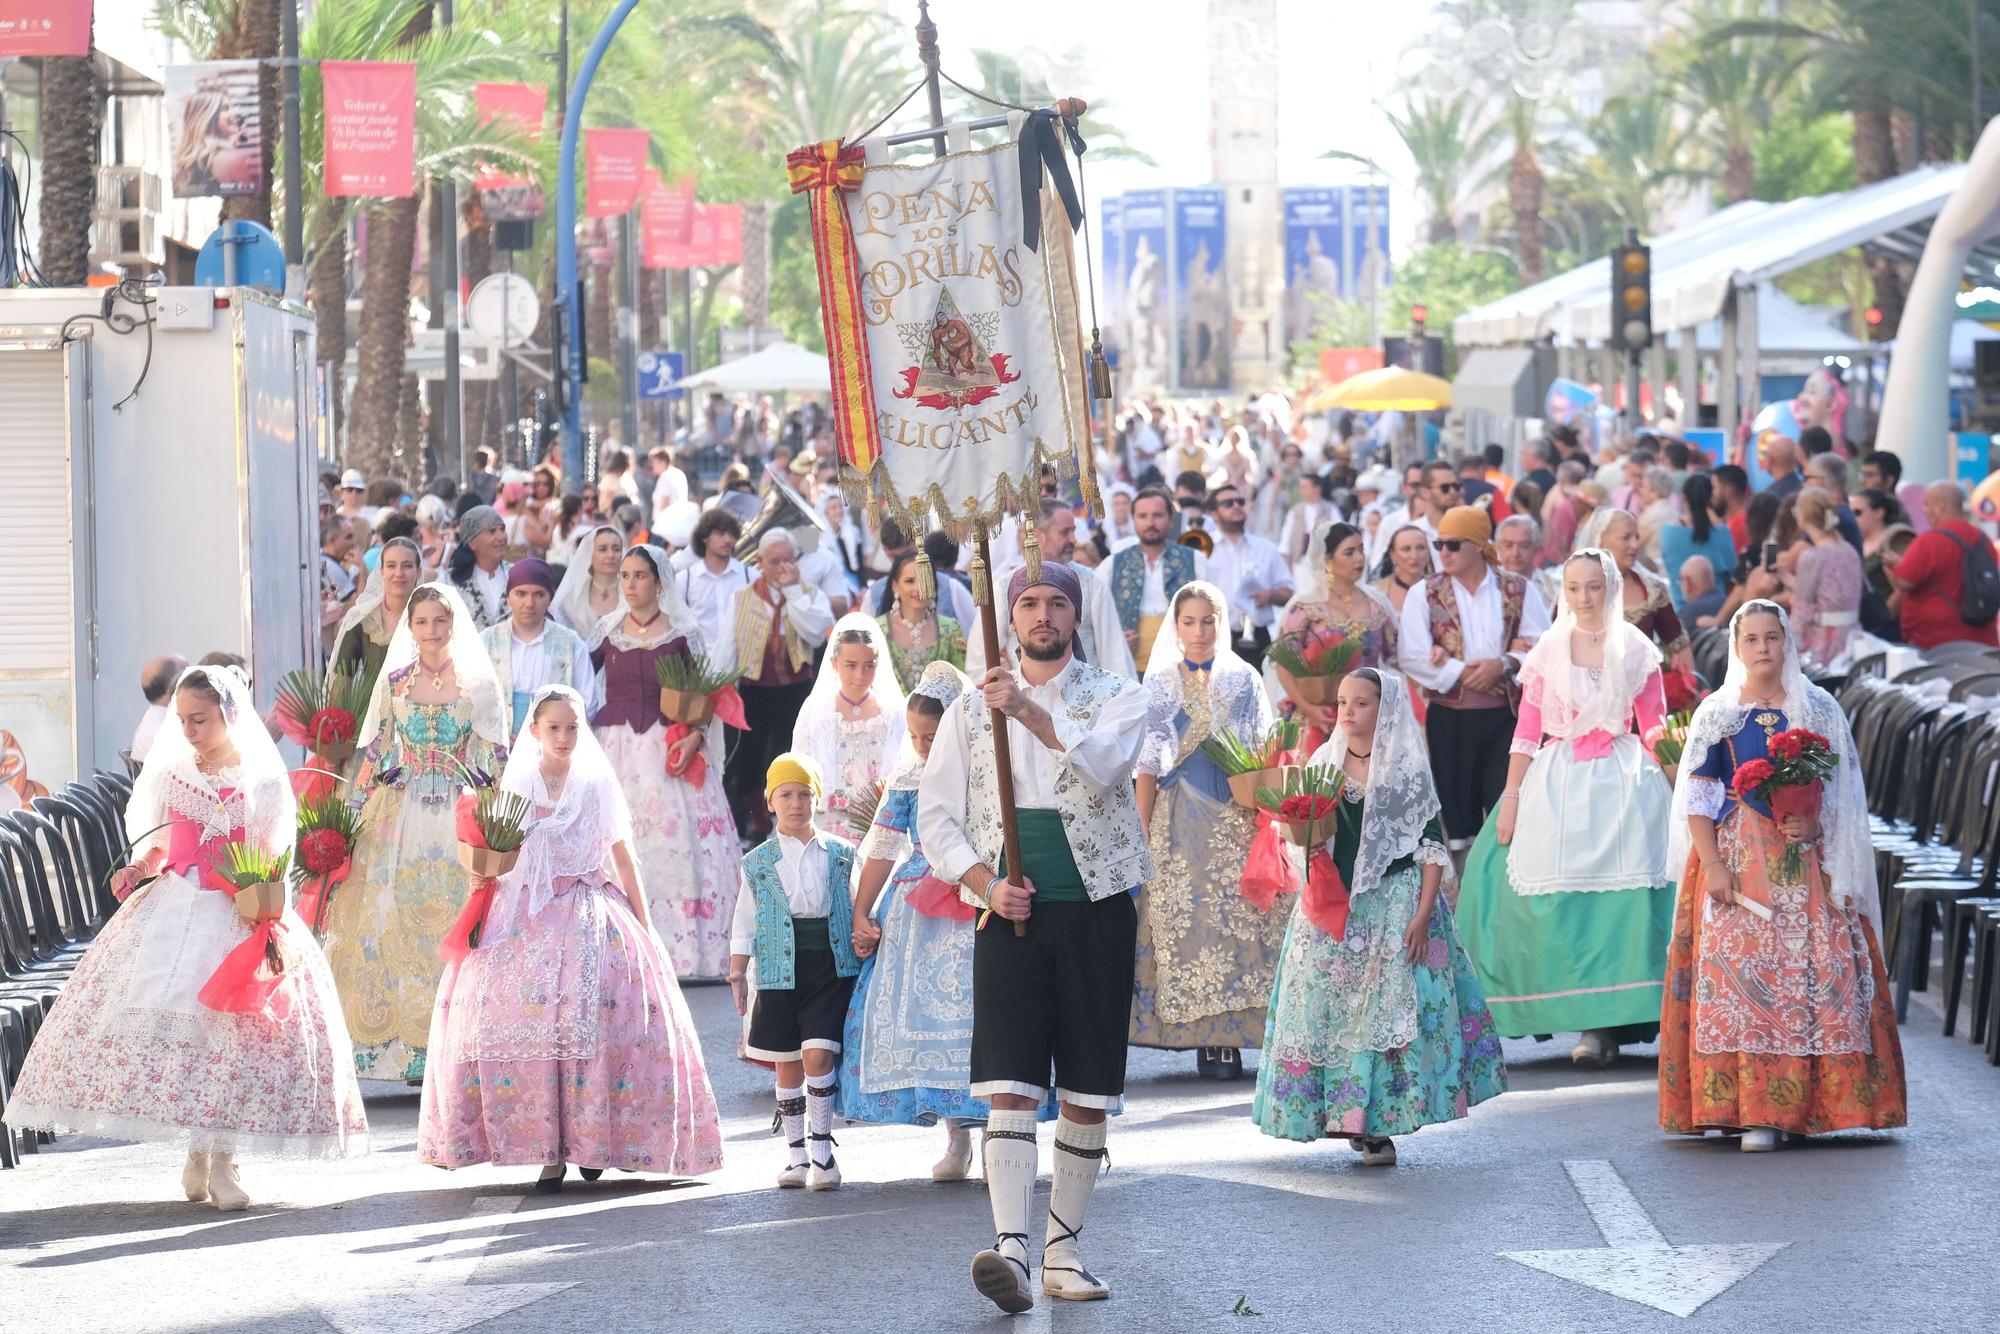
(1060,576)
(533,572)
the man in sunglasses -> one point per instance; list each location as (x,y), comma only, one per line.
(1250,571)
(1462,641)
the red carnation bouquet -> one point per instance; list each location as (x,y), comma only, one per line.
(1304,810)
(323,713)
(328,828)
(1683,689)
(1791,781)
(1316,661)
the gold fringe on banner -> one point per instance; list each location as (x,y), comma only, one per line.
(926,577)
(1031,552)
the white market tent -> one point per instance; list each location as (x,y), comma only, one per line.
(779,368)
(1701,273)
(1786,328)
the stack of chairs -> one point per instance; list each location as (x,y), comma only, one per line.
(56,859)
(1930,759)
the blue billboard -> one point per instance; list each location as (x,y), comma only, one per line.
(1146,297)
(1367,271)
(1315,256)
(1111,270)
(1201,296)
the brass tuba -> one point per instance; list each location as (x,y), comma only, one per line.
(782,508)
(1199,539)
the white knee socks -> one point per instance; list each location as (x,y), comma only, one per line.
(792,1120)
(819,1117)
(1011,1164)
(1072,1177)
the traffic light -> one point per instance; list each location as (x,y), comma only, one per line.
(1632,295)
(1418,314)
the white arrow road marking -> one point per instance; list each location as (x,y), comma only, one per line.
(447,1301)
(1636,1263)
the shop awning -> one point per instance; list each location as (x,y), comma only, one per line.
(1501,380)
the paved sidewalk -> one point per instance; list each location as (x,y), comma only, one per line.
(1199,1211)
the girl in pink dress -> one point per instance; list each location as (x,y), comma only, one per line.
(165,1032)
(562,1036)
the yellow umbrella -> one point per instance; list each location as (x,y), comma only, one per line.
(1385,389)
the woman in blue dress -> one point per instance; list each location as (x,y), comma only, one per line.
(1378,1026)
(906,1055)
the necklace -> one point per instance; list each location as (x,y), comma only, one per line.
(916,626)
(1358,754)
(436,673)
(1592,634)
(645,625)
(854,706)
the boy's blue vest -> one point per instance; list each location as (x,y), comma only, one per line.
(776,949)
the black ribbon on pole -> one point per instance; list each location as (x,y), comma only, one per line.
(1042,145)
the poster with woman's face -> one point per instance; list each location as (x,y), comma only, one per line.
(216,129)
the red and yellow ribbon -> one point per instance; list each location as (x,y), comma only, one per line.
(826,173)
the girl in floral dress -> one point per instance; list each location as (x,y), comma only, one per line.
(435,718)
(852,723)
(685,840)
(1377,1023)
(1334,603)
(136,1047)
(562,1036)
(1778,1025)
(907,1055)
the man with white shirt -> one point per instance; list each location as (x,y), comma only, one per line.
(709,574)
(1143,578)
(670,484)
(1251,572)
(1100,639)
(528,649)
(774,629)
(1462,640)
(478,567)
(1054,992)
(158,681)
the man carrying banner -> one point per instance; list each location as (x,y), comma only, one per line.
(1100,640)
(1143,578)
(1058,995)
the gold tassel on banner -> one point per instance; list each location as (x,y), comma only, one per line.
(1100,369)
(1031,552)
(982,579)
(926,577)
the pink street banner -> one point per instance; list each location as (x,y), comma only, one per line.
(521,104)
(44,27)
(216,125)
(726,234)
(371,128)
(614,163)
(666,219)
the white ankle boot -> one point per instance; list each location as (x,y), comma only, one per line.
(957,1161)
(223,1187)
(194,1176)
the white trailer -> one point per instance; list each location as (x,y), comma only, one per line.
(158,494)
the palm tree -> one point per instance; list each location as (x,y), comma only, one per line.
(73,103)
(234,30)
(1527,189)
(1641,153)
(1734,81)
(1449,140)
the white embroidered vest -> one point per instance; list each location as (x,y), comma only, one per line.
(1105,836)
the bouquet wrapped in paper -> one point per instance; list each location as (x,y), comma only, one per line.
(1304,810)
(1668,742)
(250,977)
(328,828)
(692,693)
(492,826)
(1251,767)
(1791,781)
(323,713)
(1316,662)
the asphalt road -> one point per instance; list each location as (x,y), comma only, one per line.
(1200,1222)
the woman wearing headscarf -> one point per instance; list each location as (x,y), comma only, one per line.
(1648,602)
(435,722)
(479,565)
(172,1029)
(1777,1019)
(1333,604)
(603,1068)
(1206,954)
(362,641)
(1567,902)
(589,589)
(1377,1024)
(852,722)
(685,841)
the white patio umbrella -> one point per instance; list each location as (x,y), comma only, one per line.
(779,368)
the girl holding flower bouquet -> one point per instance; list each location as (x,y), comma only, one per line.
(1777,1018)
(561,1036)
(1567,902)
(685,836)
(1206,954)
(1377,1023)
(435,715)
(143,1043)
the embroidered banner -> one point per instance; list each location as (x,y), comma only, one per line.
(614,164)
(968,336)
(371,128)
(216,124)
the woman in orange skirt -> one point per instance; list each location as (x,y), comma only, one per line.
(1777,1018)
